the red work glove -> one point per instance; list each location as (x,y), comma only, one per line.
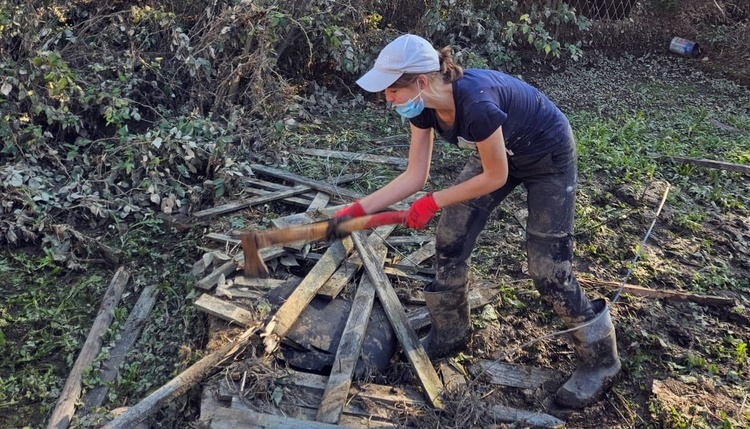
(421,211)
(354,209)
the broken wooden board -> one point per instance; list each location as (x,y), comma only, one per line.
(534,419)
(387,395)
(224,310)
(410,344)
(130,332)
(239,205)
(334,190)
(418,256)
(231,418)
(289,312)
(350,347)
(230,267)
(515,375)
(346,271)
(354,156)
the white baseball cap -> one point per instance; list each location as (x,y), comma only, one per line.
(406,54)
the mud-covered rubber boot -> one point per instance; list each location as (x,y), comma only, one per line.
(449,311)
(596,349)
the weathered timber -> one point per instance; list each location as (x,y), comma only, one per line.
(529,418)
(410,344)
(350,346)
(319,202)
(452,378)
(354,156)
(515,375)
(223,238)
(418,256)
(239,205)
(303,405)
(66,402)
(351,266)
(224,310)
(231,418)
(665,294)
(479,297)
(315,184)
(229,267)
(130,332)
(400,273)
(708,163)
(388,395)
(183,382)
(402,240)
(289,312)
(259,284)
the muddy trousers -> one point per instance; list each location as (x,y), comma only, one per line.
(550,182)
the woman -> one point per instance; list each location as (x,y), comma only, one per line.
(519,138)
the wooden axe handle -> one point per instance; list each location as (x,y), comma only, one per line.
(317,231)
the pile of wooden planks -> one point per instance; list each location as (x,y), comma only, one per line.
(335,400)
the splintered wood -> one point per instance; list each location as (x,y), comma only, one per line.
(310,400)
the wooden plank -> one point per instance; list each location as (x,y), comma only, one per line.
(410,344)
(315,184)
(351,266)
(319,202)
(708,163)
(289,312)
(418,256)
(183,382)
(224,310)
(479,297)
(389,395)
(259,284)
(303,403)
(452,378)
(656,293)
(231,418)
(237,263)
(350,347)
(404,240)
(71,392)
(354,156)
(130,332)
(515,375)
(239,205)
(528,418)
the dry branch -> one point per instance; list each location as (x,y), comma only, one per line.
(708,163)
(666,294)
(70,394)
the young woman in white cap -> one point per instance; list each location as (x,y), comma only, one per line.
(519,138)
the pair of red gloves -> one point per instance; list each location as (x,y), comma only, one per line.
(418,216)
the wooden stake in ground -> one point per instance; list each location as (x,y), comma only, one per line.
(70,394)
(181,383)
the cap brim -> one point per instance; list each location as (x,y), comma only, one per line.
(376,80)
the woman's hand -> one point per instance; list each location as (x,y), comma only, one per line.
(421,211)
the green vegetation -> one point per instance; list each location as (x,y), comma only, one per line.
(119,120)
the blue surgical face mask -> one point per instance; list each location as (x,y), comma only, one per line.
(411,108)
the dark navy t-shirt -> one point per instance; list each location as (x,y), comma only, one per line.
(488,99)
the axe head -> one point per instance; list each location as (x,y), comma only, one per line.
(255,267)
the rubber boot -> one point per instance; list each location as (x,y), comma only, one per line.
(449,311)
(596,348)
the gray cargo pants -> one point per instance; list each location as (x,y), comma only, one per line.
(550,180)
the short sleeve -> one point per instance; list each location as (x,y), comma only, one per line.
(483,119)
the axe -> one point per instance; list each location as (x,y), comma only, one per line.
(253,241)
